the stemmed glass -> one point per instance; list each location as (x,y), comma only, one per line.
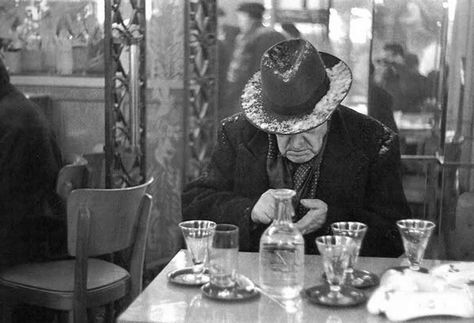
(355,277)
(336,252)
(198,235)
(415,236)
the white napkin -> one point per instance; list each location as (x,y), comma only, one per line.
(407,295)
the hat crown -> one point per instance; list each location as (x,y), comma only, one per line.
(292,73)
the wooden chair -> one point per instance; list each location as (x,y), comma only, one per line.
(70,177)
(100,222)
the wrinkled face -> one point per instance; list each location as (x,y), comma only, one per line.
(301,147)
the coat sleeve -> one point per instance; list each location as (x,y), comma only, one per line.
(385,202)
(211,196)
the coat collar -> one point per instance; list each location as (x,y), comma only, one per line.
(340,143)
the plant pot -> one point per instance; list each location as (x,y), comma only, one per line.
(31,60)
(64,62)
(13,61)
(79,57)
(49,59)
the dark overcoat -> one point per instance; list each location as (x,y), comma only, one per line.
(360,180)
(29,163)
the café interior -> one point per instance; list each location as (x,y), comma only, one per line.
(134,92)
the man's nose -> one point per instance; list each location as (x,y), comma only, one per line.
(297,141)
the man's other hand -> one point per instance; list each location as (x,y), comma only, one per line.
(314,218)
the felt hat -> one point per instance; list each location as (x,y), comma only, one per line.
(296,89)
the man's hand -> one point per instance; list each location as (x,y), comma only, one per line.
(315,218)
(264,209)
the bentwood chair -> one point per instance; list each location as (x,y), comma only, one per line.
(100,222)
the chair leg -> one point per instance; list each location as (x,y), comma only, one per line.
(7,311)
(109,313)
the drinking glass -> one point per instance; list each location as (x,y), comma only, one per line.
(224,258)
(415,236)
(355,277)
(336,252)
(198,236)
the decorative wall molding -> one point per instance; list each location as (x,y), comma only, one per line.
(200,84)
(125,84)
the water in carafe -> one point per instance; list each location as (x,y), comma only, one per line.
(281,264)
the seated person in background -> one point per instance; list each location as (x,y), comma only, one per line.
(380,103)
(293,133)
(401,79)
(29,164)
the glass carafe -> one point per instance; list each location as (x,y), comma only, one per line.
(281,265)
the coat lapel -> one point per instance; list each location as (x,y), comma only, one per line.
(251,165)
(341,164)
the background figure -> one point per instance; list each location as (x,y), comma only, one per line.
(408,88)
(226,35)
(380,103)
(29,164)
(251,43)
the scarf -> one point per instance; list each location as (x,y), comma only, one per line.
(303,178)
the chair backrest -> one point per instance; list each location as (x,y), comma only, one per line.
(96,168)
(71,177)
(113,216)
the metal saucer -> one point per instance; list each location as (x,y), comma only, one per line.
(186,277)
(360,279)
(244,289)
(321,295)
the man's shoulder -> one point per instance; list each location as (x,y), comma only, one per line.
(17,111)
(237,126)
(365,131)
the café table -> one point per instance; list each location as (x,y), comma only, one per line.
(163,301)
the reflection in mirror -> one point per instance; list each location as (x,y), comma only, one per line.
(406,89)
(405,57)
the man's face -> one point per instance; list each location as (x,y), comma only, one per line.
(391,57)
(301,147)
(244,21)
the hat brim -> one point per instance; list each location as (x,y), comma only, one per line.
(340,80)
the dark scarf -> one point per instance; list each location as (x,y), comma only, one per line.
(303,178)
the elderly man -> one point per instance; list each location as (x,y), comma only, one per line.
(293,133)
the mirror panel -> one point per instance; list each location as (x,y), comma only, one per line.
(407,54)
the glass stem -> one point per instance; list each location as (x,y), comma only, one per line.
(334,289)
(349,275)
(415,267)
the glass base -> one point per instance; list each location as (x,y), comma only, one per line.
(348,296)
(186,276)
